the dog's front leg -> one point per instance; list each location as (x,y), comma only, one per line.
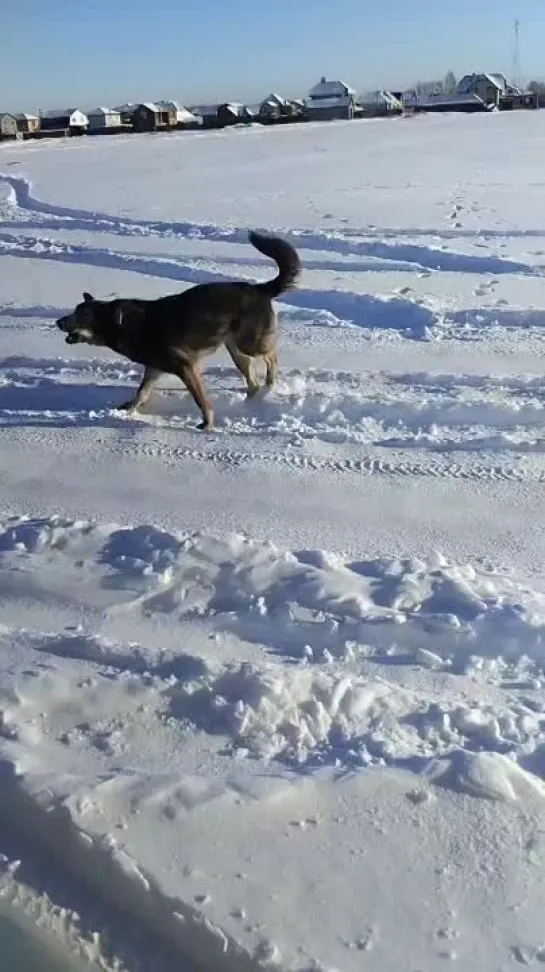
(150,378)
(193,382)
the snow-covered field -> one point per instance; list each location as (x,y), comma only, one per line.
(275,696)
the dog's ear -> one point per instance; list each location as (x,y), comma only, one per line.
(88,298)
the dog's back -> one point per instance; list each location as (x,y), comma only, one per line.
(238,313)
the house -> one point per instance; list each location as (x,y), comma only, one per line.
(276,110)
(380,104)
(27,124)
(126,112)
(489,87)
(8,126)
(104,119)
(149,117)
(208,115)
(329,100)
(465,103)
(515,100)
(70,120)
(233,113)
(184,117)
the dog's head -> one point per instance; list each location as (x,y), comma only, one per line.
(85,325)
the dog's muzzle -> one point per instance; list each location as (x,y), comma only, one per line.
(71,336)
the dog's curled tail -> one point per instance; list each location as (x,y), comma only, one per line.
(287,258)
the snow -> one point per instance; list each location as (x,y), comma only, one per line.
(274,697)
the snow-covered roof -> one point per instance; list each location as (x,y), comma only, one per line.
(464,84)
(6,114)
(169,105)
(155,106)
(60,112)
(205,110)
(331,89)
(498,79)
(184,114)
(103,111)
(449,99)
(275,99)
(24,116)
(378,98)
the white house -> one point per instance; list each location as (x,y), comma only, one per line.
(101,118)
(330,99)
(183,115)
(64,118)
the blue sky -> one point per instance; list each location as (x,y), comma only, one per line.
(87,52)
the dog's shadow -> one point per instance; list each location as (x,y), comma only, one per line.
(46,402)
(47,396)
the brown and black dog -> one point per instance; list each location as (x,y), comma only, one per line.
(171,335)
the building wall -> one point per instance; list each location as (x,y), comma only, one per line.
(226,117)
(111,120)
(78,119)
(486,90)
(54,124)
(8,127)
(28,124)
(333,112)
(144,119)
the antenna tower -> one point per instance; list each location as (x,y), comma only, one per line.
(516,54)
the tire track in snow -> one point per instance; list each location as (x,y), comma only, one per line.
(363,466)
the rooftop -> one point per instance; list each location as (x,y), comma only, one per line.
(449,99)
(60,112)
(331,89)
(498,80)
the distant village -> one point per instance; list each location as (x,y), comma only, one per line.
(327,100)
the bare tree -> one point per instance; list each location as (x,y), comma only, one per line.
(429,87)
(449,84)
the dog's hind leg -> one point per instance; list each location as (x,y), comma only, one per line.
(271,361)
(244,364)
(150,378)
(194,384)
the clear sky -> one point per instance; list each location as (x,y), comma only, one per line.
(90,52)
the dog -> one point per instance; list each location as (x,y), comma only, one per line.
(172,334)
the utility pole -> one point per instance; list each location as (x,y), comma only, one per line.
(516,54)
